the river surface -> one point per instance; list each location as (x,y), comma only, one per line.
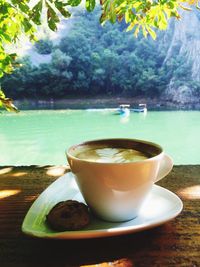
(41,137)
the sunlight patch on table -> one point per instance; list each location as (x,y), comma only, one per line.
(190,192)
(5,170)
(19,174)
(56,170)
(30,198)
(8,193)
(117,263)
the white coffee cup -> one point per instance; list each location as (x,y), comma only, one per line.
(116,191)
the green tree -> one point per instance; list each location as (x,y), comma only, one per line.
(87,62)
(44,46)
(19,17)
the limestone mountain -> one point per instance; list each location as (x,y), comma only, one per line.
(182,43)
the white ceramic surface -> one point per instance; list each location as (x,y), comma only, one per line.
(116,191)
(161,206)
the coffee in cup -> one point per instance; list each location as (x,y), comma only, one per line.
(103,154)
(115,176)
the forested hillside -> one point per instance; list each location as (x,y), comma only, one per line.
(92,60)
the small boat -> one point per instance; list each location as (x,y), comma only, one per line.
(141,108)
(123,109)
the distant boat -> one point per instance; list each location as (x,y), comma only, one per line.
(141,108)
(123,109)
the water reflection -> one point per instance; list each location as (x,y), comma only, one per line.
(125,117)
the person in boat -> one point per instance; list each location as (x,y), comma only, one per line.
(141,108)
(124,106)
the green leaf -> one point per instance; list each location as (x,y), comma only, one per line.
(73,2)
(127,18)
(106,6)
(113,15)
(62,9)
(13,56)
(7,102)
(103,18)
(2,56)
(51,14)
(52,25)
(151,32)
(27,25)
(131,26)
(144,31)
(171,4)
(90,5)
(2,95)
(137,31)
(5,37)
(52,18)
(162,24)
(38,7)
(23,6)
(36,13)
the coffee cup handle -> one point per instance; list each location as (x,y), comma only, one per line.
(166,166)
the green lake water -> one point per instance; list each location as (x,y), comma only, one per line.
(41,137)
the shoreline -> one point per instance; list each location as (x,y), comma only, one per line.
(104,102)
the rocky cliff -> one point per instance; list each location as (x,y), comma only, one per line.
(183,40)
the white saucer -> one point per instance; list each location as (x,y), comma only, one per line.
(161,207)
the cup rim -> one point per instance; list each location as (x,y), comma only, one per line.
(69,155)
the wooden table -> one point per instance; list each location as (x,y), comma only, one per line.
(176,243)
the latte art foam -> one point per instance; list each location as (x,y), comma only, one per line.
(110,154)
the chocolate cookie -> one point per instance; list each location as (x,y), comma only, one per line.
(68,215)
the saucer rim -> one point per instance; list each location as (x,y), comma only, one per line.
(98,233)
